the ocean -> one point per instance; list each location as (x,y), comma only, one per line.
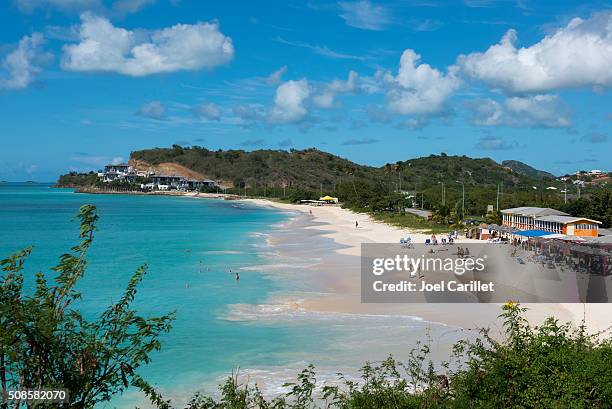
(220,324)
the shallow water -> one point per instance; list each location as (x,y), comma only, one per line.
(220,324)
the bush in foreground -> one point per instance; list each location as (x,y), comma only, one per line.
(551,366)
(45,342)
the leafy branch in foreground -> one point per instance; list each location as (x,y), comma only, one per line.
(46,343)
(551,366)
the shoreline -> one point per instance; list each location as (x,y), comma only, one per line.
(340,277)
(342,281)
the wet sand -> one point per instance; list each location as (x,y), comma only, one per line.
(334,273)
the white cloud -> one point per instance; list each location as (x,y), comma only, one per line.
(363,14)
(19,66)
(276,77)
(209,111)
(419,89)
(326,98)
(104,47)
(289,102)
(153,110)
(578,55)
(533,111)
(350,85)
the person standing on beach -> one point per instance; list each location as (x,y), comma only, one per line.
(356,224)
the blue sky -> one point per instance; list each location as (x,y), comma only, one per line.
(84,82)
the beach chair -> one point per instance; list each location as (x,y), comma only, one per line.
(406,242)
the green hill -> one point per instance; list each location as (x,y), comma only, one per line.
(526,170)
(311,168)
(433,182)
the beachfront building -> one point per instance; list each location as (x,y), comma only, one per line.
(176,182)
(166,182)
(124,172)
(549,220)
(121,172)
(195,184)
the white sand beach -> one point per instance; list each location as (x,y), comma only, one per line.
(341,279)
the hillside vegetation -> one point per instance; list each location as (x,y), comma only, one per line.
(524,169)
(310,168)
(434,182)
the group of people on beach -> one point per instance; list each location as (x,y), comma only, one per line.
(461,253)
(434,240)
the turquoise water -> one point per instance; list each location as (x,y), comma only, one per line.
(172,235)
(220,324)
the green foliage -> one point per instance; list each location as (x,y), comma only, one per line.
(597,205)
(305,174)
(526,170)
(46,343)
(494,217)
(551,366)
(74,179)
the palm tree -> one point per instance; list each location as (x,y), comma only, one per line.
(398,168)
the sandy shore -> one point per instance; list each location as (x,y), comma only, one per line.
(340,276)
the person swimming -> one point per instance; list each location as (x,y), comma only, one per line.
(237,277)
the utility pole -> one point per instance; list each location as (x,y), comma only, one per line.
(462,199)
(321,190)
(564,192)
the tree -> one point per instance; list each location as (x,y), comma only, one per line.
(493,217)
(46,343)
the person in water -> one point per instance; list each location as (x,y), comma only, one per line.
(237,277)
